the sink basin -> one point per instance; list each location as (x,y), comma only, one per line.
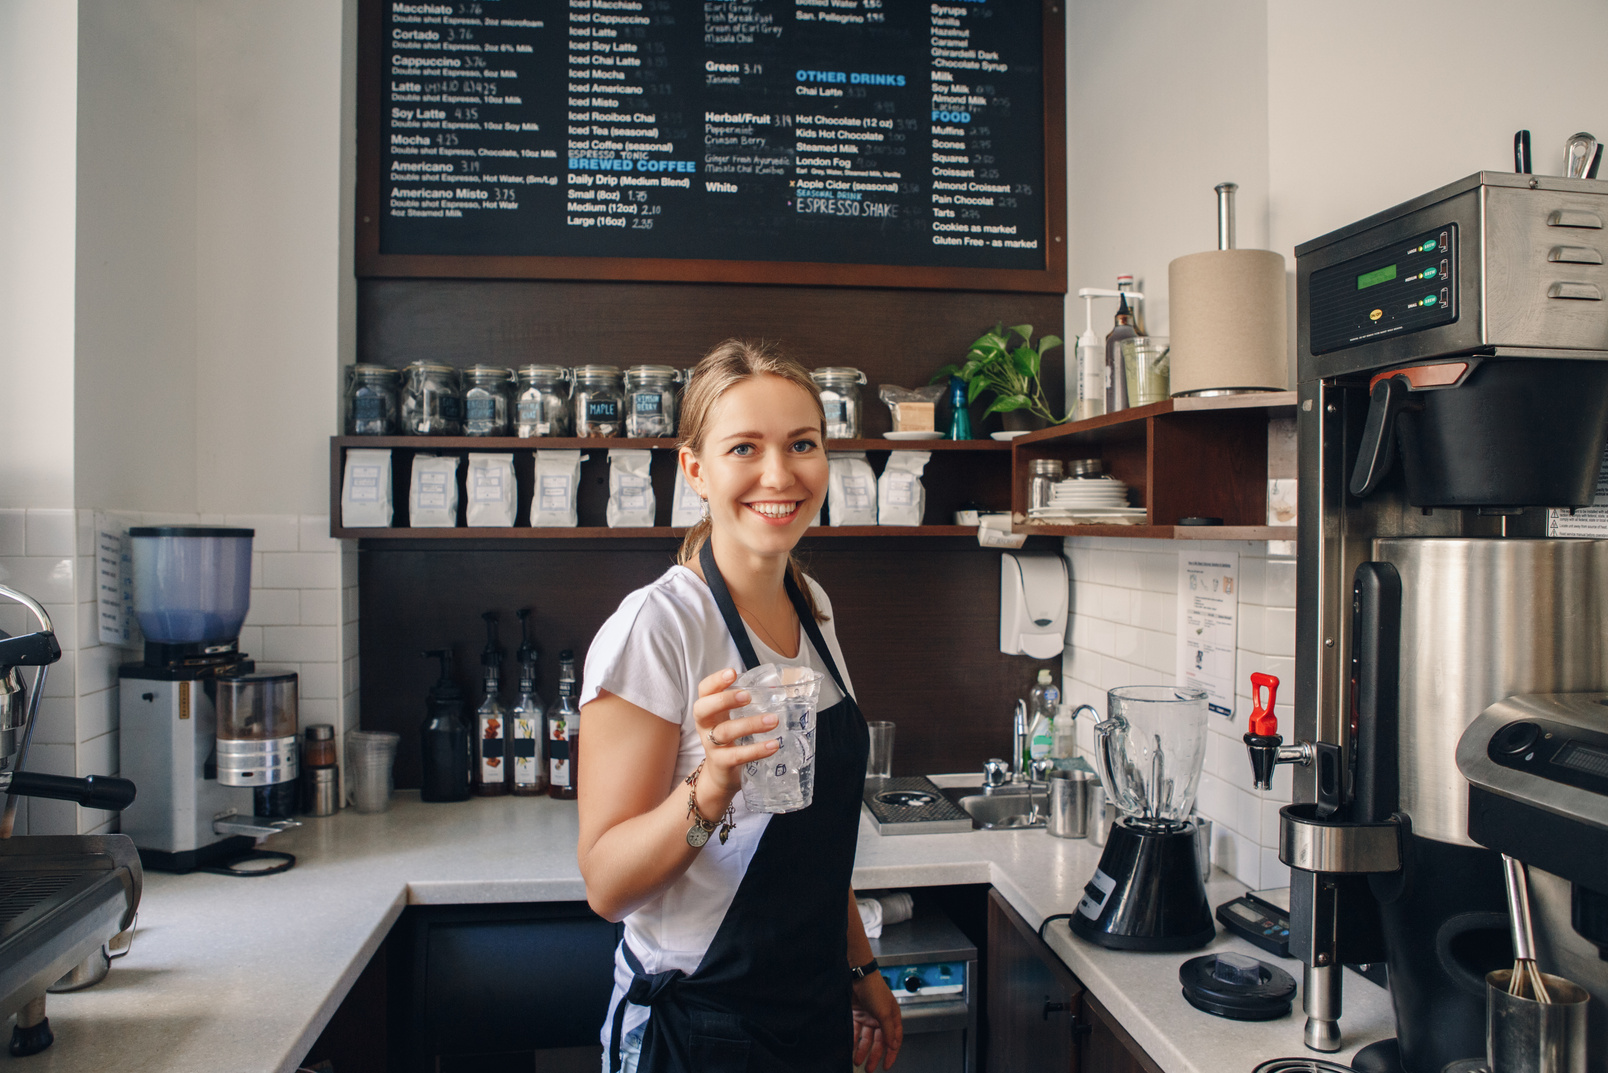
(1003,808)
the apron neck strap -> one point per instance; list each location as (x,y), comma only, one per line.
(739,631)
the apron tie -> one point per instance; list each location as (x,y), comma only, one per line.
(645,990)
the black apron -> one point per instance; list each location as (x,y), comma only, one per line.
(772,991)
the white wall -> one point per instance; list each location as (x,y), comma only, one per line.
(272,108)
(135,314)
(38,101)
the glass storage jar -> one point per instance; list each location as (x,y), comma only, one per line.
(432,403)
(488,396)
(598,401)
(541,401)
(651,406)
(373,396)
(840,398)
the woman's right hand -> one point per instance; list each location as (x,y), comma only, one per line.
(724,761)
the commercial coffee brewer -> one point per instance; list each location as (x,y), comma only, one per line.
(1453,367)
(209,739)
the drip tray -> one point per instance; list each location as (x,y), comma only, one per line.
(912,806)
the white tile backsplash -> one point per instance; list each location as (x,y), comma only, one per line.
(1123,631)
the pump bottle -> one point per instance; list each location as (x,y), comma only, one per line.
(491,720)
(529,763)
(444,738)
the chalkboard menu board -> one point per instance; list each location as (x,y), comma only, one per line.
(816,141)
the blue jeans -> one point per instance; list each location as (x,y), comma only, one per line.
(630,1050)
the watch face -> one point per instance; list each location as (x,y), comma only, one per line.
(697,836)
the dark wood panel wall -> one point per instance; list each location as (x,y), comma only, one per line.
(918,617)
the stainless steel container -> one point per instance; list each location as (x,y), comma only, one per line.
(1526,1036)
(1072,793)
(1481,620)
(321,791)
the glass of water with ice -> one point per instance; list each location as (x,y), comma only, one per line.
(785,780)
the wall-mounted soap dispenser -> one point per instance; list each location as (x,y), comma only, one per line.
(1033,597)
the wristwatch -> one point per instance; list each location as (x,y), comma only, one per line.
(860,972)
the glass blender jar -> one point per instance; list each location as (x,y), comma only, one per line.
(1147,892)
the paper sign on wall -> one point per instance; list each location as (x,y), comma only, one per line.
(1208,624)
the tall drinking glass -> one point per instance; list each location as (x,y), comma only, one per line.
(785,780)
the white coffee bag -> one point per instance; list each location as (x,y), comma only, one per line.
(686,508)
(433,492)
(492,498)
(631,502)
(901,497)
(366,489)
(851,489)
(552,501)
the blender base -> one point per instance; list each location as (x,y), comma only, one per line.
(1146,893)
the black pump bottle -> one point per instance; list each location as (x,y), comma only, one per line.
(444,737)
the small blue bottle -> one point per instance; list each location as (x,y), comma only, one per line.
(960,415)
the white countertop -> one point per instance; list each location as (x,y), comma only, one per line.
(242,974)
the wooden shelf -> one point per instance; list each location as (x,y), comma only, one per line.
(564,443)
(665,532)
(1186,457)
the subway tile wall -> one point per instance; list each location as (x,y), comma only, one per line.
(1123,630)
(303,616)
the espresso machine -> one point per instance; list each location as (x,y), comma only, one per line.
(209,739)
(1453,368)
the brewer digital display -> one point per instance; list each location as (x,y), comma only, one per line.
(1402,288)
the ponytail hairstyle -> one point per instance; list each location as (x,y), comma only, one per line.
(723,368)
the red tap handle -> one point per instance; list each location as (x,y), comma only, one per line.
(1263,721)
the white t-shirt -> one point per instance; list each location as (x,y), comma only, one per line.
(653,651)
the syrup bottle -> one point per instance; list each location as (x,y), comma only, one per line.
(491,721)
(527,719)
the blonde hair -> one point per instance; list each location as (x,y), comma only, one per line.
(723,368)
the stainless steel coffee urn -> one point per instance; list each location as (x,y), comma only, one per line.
(1453,385)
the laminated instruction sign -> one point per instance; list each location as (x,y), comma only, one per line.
(1208,627)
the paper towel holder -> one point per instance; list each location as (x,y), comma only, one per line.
(1033,598)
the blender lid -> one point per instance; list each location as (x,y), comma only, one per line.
(189,531)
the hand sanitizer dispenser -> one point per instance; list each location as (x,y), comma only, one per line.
(1033,592)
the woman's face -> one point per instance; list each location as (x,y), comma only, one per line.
(762,465)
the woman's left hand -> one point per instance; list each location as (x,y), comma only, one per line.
(878,1026)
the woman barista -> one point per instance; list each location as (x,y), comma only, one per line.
(743,951)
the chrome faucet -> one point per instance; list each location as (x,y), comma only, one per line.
(1019,743)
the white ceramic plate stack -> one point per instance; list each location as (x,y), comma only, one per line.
(1094,500)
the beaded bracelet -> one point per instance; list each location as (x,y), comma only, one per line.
(698,834)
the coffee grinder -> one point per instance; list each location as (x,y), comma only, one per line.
(201,779)
(1453,384)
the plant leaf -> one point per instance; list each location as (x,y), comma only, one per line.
(1047,342)
(1025,361)
(974,389)
(945,373)
(1023,330)
(1007,403)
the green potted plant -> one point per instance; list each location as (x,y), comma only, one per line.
(1010,372)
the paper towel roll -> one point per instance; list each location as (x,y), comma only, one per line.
(1228,321)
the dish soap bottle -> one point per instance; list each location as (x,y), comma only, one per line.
(1042,704)
(563,733)
(491,720)
(529,767)
(444,738)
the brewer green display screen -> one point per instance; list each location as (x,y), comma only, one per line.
(1380,275)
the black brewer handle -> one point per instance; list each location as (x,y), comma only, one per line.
(1377,451)
(95,791)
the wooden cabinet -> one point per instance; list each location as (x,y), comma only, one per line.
(1180,458)
(1040,1018)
